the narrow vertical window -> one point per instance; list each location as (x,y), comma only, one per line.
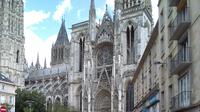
(128,45)
(17,58)
(81,101)
(129,97)
(132,45)
(81,54)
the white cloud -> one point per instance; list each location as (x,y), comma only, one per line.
(35,17)
(79,13)
(155,10)
(100,13)
(61,8)
(110,3)
(34,44)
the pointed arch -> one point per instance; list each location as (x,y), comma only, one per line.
(129,97)
(103,101)
(58,100)
(133,44)
(130,39)
(81,52)
(79,98)
(49,105)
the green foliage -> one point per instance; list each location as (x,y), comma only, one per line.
(61,108)
(37,105)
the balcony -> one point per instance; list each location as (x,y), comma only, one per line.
(181,61)
(180,24)
(173,3)
(181,101)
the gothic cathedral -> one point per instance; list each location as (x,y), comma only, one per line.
(93,71)
(104,56)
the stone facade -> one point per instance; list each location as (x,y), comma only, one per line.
(104,56)
(12,56)
(167,76)
(7,92)
(99,61)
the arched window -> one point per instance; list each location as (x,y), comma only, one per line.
(81,54)
(66,101)
(130,35)
(129,98)
(58,100)
(81,101)
(55,54)
(62,56)
(12,4)
(132,44)
(49,105)
(17,58)
(128,45)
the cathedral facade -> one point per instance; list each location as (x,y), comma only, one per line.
(12,54)
(93,72)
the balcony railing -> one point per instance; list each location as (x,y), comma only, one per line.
(182,100)
(180,24)
(181,61)
(173,3)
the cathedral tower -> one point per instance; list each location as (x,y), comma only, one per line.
(12,56)
(61,49)
(133,25)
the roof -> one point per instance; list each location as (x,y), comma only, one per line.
(4,78)
(62,35)
(49,72)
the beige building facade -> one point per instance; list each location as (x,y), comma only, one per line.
(167,77)
(7,92)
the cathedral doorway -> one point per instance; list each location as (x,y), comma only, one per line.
(103,101)
(49,105)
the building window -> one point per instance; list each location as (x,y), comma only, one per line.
(184,90)
(171,95)
(81,54)
(3,99)
(11,100)
(163,100)
(17,59)
(49,105)
(130,36)
(129,98)
(3,87)
(161,20)
(162,45)
(184,46)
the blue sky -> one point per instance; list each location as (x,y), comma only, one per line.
(43,18)
(77,12)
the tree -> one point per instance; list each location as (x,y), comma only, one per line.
(37,101)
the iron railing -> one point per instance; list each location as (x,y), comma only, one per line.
(182,100)
(181,60)
(180,23)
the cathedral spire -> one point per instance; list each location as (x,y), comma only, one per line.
(62,35)
(92,21)
(37,65)
(45,64)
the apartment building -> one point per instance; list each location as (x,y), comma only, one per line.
(167,77)
(7,92)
